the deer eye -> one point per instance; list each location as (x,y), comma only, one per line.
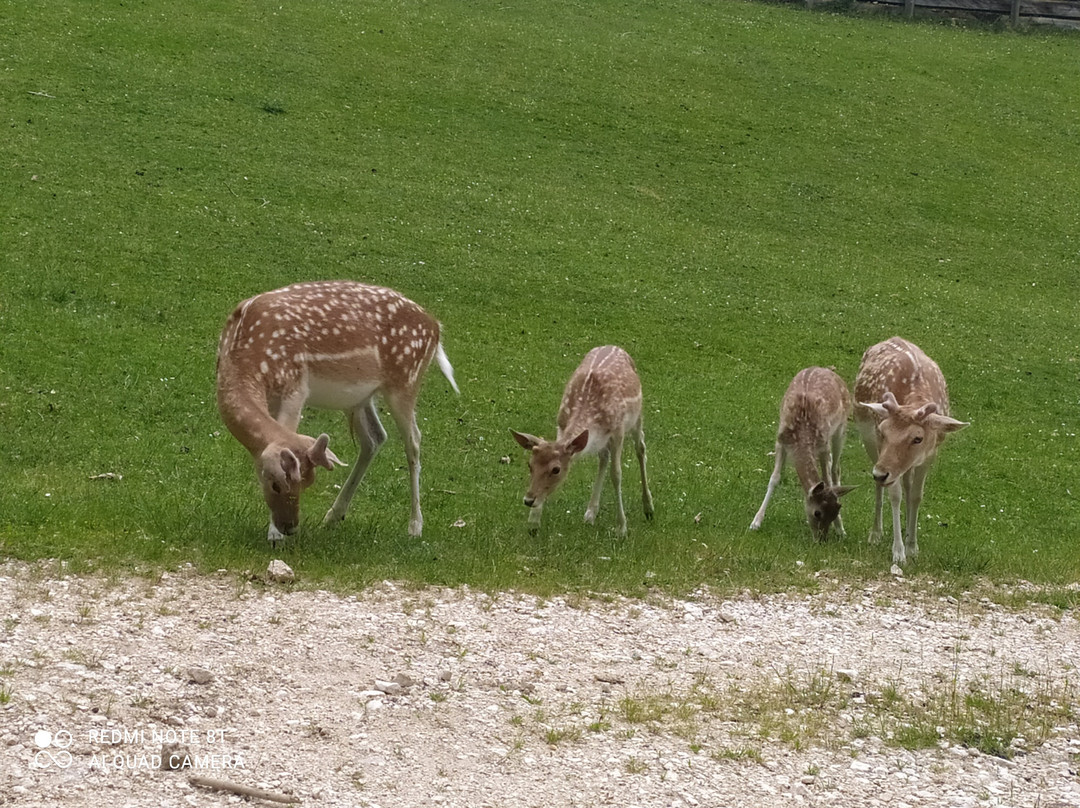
(817,514)
(555,471)
(276,488)
(916,439)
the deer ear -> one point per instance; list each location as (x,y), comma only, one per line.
(579,443)
(888,401)
(944,423)
(290,466)
(840,490)
(817,489)
(877,409)
(527,442)
(320,455)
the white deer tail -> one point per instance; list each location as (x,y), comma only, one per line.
(444,366)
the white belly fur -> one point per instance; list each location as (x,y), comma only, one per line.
(326,394)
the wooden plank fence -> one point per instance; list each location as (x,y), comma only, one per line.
(1065,13)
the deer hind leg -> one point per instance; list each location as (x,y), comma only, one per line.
(774,481)
(604,458)
(370,435)
(646,494)
(616,482)
(402,407)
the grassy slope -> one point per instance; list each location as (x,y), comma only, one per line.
(730,191)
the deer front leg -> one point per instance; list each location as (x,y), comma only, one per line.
(876,527)
(896,493)
(913,483)
(832,477)
(273,535)
(616,481)
(371,436)
(594,501)
(774,481)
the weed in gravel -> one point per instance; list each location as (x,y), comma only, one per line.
(1017,711)
(738,754)
(5,694)
(634,765)
(555,735)
(643,709)
(88,659)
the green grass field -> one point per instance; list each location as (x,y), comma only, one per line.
(731,191)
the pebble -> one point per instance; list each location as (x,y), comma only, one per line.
(279,572)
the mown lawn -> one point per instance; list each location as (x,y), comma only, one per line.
(731,191)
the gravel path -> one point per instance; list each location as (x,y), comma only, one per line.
(406,697)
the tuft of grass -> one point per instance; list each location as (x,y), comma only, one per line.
(738,755)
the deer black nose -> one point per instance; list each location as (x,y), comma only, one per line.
(529,502)
(880,476)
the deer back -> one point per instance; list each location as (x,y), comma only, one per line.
(344,340)
(900,367)
(816,404)
(603,396)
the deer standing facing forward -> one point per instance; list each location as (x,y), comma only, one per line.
(903,416)
(332,345)
(813,421)
(601,404)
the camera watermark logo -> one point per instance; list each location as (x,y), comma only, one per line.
(52,749)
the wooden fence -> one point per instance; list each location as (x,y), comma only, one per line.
(1064,13)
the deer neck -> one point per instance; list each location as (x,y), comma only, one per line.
(245,410)
(802,458)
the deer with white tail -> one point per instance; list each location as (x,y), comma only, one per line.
(813,422)
(902,413)
(600,406)
(331,345)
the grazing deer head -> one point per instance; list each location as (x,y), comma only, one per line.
(903,416)
(334,345)
(813,421)
(549,463)
(284,473)
(601,403)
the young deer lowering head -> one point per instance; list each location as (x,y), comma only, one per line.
(601,404)
(813,420)
(903,416)
(332,345)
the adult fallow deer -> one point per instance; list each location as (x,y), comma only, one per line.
(601,404)
(332,345)
(813,421)
(902,413)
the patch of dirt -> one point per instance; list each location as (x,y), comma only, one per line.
(402,697)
